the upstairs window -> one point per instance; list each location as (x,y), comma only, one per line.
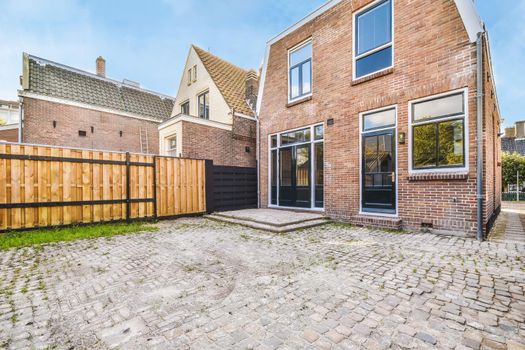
(300,73)
(189,76)
(194,73)
(438,129)
(373,39)
(185,108)
(204,105)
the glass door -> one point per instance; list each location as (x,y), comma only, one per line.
(378,177)
(295,177)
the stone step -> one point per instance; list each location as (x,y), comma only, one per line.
(270,227)
(288,223)
(377,222)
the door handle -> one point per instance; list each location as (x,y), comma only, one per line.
(393,176)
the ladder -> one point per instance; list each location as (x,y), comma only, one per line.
(144,143)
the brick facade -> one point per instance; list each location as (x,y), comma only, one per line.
(10,135)
(38,128)
(222,146)
(432,55)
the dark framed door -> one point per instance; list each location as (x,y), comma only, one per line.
(378,172)
(295,177)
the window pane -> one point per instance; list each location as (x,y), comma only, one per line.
(301,55)
(274,178)
(374,28)
(285,166)
(319,175)
(424,151)
(374,62)
(442,107)
(319,132)
(295,137)
(302,166)
(294,82)
(371,163)
(451,143)
(379,119)
(307,77)
(274,141)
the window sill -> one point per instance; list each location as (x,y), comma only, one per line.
(299,101)
(437,176)
(373,76)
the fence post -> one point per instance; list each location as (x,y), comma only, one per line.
(155,188)
(128,189)
(210,205)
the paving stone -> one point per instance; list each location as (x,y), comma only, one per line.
(200,284)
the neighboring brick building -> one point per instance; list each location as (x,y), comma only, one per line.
(213,118)
(64,106)
(9,120)
(368,113)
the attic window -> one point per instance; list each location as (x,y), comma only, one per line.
(189,76)
(194,73)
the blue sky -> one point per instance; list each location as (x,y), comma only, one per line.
(147,41)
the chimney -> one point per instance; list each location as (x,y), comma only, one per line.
(252,88)
(510,132)
(520,130)
(101,67)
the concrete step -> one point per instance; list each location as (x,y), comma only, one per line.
(270,227)
(288,223)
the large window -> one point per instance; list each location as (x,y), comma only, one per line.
(438,132)
(297,168)
(204,105)
(373,39)
(300,74)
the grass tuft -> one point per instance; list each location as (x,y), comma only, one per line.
(45,236)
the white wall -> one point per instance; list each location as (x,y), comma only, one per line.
(219,110)
(168,132)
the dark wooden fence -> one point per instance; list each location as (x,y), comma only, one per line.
(230,188)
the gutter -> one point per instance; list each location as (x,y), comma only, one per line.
(21,120)
(479,136)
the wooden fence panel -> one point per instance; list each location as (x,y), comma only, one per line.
(43,186)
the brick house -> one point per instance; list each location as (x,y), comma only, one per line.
(213,116)
(65,106)
(368,112)
(9,120)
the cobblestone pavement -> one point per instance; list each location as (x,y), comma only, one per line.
(201,284)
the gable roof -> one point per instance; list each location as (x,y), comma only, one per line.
(51,79)
(230,80)
(467,10)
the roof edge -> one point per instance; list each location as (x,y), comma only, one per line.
(471,18)
(92,75)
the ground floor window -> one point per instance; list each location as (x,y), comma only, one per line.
(438,132)
(172,146)
(297,168)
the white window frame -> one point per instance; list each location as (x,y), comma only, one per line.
(206,91)
(189,106)
(290,52)
(189,77)
(355,57)
(363,132)
(169,149)
(466,140)
(313,165)
(194,73)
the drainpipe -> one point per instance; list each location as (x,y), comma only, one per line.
(479,136)
(21,119)
(258,161)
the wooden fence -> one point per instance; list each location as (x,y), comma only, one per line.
(48,186)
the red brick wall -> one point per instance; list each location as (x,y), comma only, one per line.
(10,135)
(432,55)
(492,142)
(222,146)
(38,128)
